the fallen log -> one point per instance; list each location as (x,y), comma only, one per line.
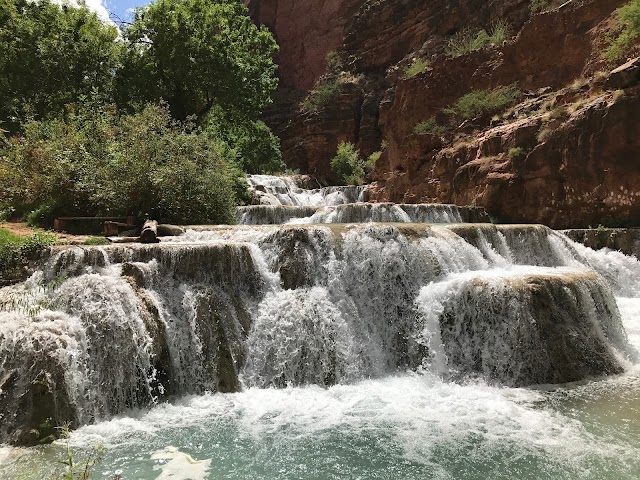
(149,233)
(111,229)
(166,230)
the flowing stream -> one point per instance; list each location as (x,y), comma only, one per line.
(328,338)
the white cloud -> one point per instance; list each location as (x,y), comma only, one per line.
(97,6)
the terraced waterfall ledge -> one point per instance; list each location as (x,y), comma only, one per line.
(342,293)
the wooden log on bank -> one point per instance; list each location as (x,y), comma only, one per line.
(149,232)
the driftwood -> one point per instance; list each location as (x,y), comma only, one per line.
(111,229)
(166,230)
(149,233)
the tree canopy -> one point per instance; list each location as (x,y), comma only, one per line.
(197,55)
(50,56)
(161,116)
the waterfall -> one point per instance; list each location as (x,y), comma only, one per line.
(98,330)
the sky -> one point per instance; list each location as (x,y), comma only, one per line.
(123,9)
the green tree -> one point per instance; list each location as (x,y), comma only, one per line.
(348,165)
(96,162)
(198,55)
(50,56)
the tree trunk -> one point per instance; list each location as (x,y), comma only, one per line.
(149,233)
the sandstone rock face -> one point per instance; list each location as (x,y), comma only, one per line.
(384,32)
(625,240)
(583,173)
(576,165)
(306,31)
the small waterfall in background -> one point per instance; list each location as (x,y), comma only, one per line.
(320,302)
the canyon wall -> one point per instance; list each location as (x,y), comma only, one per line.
(563,155)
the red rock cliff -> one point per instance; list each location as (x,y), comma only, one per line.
(306,31)
(564,156)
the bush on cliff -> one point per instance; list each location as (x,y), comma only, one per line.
(480,103)
(347,164)
(429,126)
(96,162)
(416,67)
(629,18)
(465,41)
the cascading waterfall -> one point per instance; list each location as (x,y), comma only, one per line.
(100,330)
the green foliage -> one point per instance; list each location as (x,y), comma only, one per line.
(198,55)
(325,90)
(479,103)
(373,158)
(334,63)
(99,163)
(629,18)
(74,469)
(429,127)
(50,57)
(96,241)
(15,250)
(348,165)
(417,67)
(77,97)
(465,41)
(250,145)
(537,6)
(516,153)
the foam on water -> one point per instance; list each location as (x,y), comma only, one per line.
(407,426)
(284,191)
(175,464)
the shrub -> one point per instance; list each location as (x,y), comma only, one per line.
(465,41)
(334,63)
(429,127)
(325,90)
(499,32)
(15,250)
(479,103)
(516,153)
(96,163)
(537,6)
(96,241)
(417,67)
(629,18)
(347,164)
(374,157)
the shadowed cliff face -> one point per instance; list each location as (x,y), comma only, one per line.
(574,123)
(306,31)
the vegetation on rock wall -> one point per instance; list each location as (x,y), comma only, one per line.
(349,166)
(416,67)
(629,18)
(484,102)
(465,41)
